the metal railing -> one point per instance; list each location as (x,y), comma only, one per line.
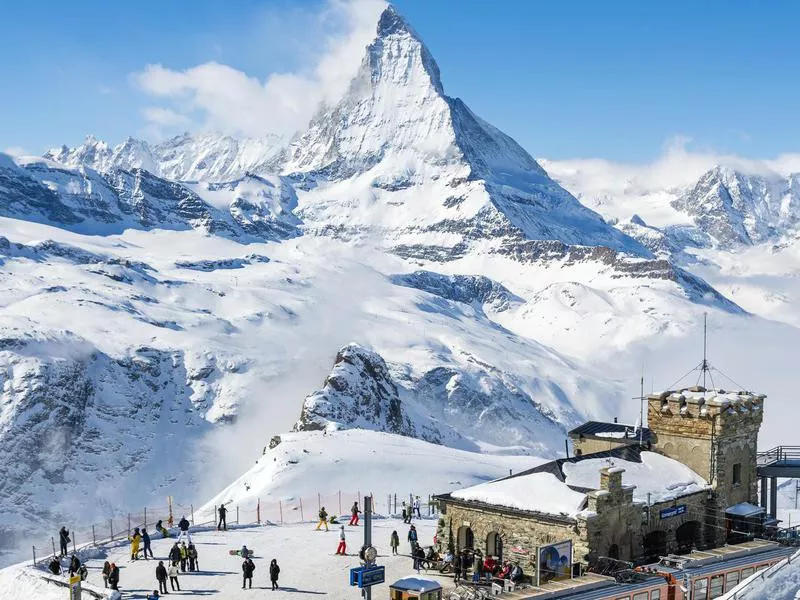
(778,455)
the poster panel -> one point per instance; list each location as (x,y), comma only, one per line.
(554,562)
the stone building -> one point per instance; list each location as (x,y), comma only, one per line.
(682,488)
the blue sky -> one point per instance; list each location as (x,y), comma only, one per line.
(615,80)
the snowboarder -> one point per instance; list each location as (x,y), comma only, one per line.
(154,596)
(223,524)
(161,529)
(354,514)
(394,542)
(183,525)
(244,552)
(412,538)
(274,571)
(135,539)
(106,573)
(113,577)
(146,540)
(175,554)
(416,507)
(173,577)
(63,540)
(55,566)
(161,577)
(184,556)
(323,519)
(342,548)
(247,572)
(191,552)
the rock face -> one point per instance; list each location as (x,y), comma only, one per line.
(475,290)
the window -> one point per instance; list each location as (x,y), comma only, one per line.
(747,572)
(737,473)
(655,595)
(731,580)
(700,589)
(642,596)
(715,589)
(623,598)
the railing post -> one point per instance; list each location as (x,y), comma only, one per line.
(53,541)
(302,518)
(258,511)
(280,508)
(191,507)
(34,555)
(129,523)
(73,541)
(145,517)
(94,537)
(237,514)
(111,528)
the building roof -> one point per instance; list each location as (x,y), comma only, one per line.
(612,430)
(416,584)
(559,487)
(712,396)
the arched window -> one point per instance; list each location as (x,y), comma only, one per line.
(465,538)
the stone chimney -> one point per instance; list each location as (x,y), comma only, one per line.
(611,479)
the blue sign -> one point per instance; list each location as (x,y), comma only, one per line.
(666,513)
(367,576)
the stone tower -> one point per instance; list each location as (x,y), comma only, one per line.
(715,433)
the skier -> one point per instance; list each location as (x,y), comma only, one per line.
(113,577)
(412,538)
(394,542)
(173,577)
(223,524)
(183,525)
(247,572)
(106,573)
(184,556)
(55,566)
(416,507)
(146,540)
(191,552)
(323,519)
(342,548)
(135,539)
(354,514)
(274,571)
(161,577)
(63,540)
(175,554)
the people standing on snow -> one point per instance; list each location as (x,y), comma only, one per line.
(413,540)
(223,523)
(247,572)
(135,539)
(342,548)
(406,513)
(191,552)
(274,571)
(184,556)
(394,542)
(106,573)
(173,577)
(419,555)
(161,577)
(323,519)
(183,525)
(63,540)
(55,566)
(354,514)
(113,577)
(417,506)
(175,554)
(146,541)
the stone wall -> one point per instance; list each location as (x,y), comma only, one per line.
(589,444)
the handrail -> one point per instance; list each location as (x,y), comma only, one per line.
(778,454)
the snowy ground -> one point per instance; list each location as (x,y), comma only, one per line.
(309,567)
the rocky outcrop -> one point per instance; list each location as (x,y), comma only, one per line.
(475,290)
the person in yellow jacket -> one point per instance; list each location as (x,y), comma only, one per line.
(184,555)
(135,539)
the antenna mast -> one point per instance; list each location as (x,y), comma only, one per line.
(704,366)
(641,409)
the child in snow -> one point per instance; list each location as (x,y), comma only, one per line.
(154,596)
(394,542)
(55,566)
(342,548)
(274,571)
(323,519)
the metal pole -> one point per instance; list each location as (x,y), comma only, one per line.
(94,537)
(145,517)
(368,535)
(191,507)
(258,511)
(34,555)
(280,508)
(237,514)
(53,541)
(73,541)
(129,523)
(302,518)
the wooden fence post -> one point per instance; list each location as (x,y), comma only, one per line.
(34,555)
(258,511)
(237,514)
(280,508)
(111,527)
(73,541)
(302,518)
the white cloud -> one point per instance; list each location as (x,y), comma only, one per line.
(16,151)
(229,100)
(160,116)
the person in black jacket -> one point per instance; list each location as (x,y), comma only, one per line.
(191,553)
(175,554)
(161,576)
(183,525)
(146,540)
(274,571)
(113,577)
(223,524)
(74,565)
(55,566)
(63,540)
(247,572)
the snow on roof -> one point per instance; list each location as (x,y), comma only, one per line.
(780,582)
(713,396)
(662,477)
(416,584)
(538,492)
(744,509)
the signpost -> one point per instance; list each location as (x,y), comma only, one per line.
(369,573)
(674,511)
(75,587)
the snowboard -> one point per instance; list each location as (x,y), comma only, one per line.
(239,552)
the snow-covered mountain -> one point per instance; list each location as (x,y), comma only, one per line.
(401,265)
(187,157)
